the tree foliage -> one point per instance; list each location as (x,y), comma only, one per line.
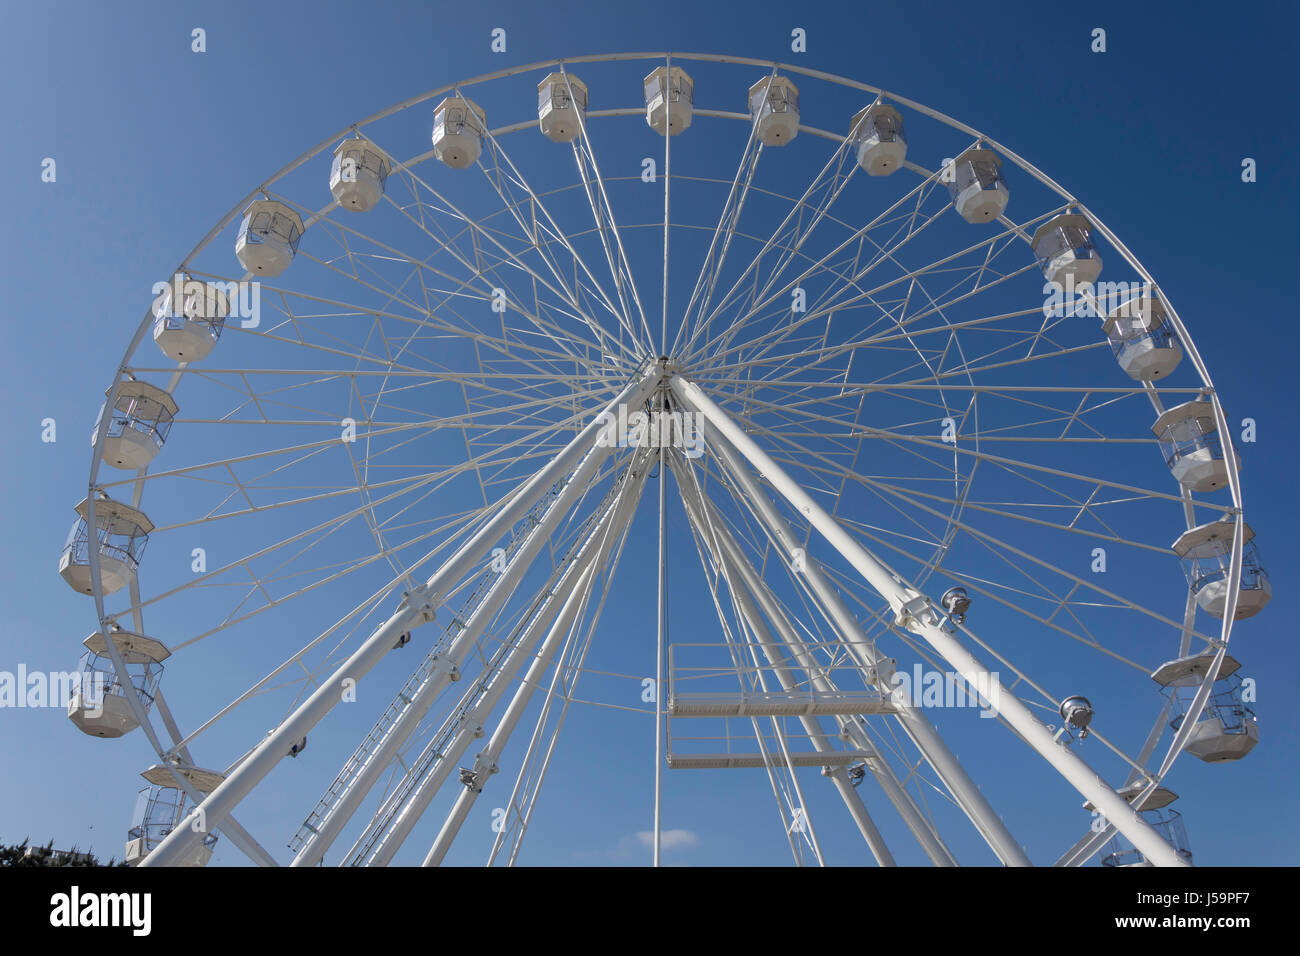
(23,854)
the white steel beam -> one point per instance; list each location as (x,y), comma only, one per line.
(921,828)
(472,723)
(599,437)
(485,762)
(917,613)
(447,667)
(725,557)
(925,834)
(913,722)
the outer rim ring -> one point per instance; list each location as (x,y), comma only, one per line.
(1189,347)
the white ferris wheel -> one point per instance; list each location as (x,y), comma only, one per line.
(893,437)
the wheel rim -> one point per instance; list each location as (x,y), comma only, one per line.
(552,407)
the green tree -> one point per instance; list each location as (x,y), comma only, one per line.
(22,854)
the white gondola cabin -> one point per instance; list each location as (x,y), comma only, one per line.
(142,416)
(159,811)
(977,186)
(1227,728)
(98,704)
(1192,446)
(878,139)
(774,106)
(188,318)
(358,174)
(1168,823)
(1065,251)
(120,538)
(459,126)
(1142,340)
(1206,551)
(561,106)
(268,238)
(669,100)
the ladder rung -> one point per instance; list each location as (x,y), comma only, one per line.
(778,704)
(414,684)
(831,758)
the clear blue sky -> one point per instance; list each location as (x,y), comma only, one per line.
(155,143)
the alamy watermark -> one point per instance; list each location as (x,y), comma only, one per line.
(1090,299)
(659,429)
(74,908)
(244,298)
(35,689)
(923,688)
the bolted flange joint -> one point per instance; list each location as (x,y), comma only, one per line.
(881,674)
(917,614)
(421,600)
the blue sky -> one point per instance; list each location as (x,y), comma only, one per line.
(154,143)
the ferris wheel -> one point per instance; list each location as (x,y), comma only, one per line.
(916,475)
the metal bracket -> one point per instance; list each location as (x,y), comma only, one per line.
(420,599)
(882,674)
(917,614)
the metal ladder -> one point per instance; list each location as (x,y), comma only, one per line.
(518,534)
(452,725)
